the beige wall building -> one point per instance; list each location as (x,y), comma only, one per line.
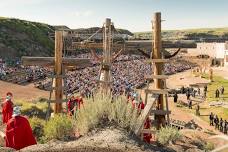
(214,50)
(226,59)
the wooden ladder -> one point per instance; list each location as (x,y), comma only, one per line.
(149,110)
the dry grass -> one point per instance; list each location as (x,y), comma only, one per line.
(216,84)
(105,111)
(168,134)
(31,109)
(59,127)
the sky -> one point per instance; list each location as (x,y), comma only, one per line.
(134,15)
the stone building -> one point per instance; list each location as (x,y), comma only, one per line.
(216,51)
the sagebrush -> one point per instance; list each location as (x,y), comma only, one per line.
(168,135)
(105,110)
(37,126)
(58,127)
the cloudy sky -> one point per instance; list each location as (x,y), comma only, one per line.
(135,15)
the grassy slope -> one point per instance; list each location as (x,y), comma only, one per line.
(25,38)
(218,82)
(205,110)
(179,34)
(220,111)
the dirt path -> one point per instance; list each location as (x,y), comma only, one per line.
(184,79)
(28,92)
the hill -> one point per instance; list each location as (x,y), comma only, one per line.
(20,37)
(25,38)
(189,34)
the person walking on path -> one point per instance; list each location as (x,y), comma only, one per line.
(204,94)
(198,91)
(198,110)
(222,90)
(188,95)
(190,104)
(216,93)
(216,121)
(205,88)
(175,97)
(221,125)
(211,118)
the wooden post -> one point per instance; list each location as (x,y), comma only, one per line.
(107,55)
(156,54)
(58,71)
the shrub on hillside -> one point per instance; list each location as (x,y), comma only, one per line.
(103,111)
(208,146)
(33,109)
(37,125)
(59,127)
(168,134)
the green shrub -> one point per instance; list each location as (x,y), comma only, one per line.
(37,125)
(168,134)
(33,109)
(209,146)
(104,111)
(59,127)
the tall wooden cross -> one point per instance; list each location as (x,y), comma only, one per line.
(59,64)
(107,58)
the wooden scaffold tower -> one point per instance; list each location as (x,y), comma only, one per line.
(156,107)
(59,63)
(108,31)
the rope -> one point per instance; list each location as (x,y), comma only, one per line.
(94,34)
(49,101)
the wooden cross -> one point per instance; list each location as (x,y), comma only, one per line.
(59,64)
(107,58)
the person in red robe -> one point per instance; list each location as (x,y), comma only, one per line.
(80,102)
(146,136)
(71,106)
(7,108)
(18,131)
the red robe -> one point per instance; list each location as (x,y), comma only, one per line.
(79,102)
(19,133)
(7,111)
(133,103)
(70,106)
(146,136)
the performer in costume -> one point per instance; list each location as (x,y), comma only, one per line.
(18,131)
(7,108)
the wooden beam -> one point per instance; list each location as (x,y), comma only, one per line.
(76,62)
(131,45)
(58,70)
(156,77)
(156,91)
(145,113)
(37,61)
(158,68)
(49,61)
(107,55)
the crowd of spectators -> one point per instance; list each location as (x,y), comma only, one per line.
(128,73)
